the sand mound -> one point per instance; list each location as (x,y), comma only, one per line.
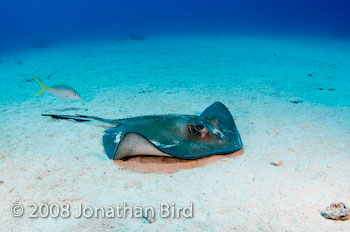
(150,164)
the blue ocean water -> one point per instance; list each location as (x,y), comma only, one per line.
(282,69)
(22,21)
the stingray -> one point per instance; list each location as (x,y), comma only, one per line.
(175,135)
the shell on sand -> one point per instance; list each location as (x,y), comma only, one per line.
(336,211)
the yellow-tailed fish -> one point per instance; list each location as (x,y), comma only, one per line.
(60,90)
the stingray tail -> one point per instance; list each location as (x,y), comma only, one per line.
(92,120)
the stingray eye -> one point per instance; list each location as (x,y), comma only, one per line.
(192,129)
(199,128)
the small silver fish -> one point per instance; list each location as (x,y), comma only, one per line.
(60,90)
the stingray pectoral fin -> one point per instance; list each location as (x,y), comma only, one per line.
(131,144)
(218,111)
(224,121)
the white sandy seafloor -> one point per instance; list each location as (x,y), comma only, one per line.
(43,161)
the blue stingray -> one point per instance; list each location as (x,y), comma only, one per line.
(180,136)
